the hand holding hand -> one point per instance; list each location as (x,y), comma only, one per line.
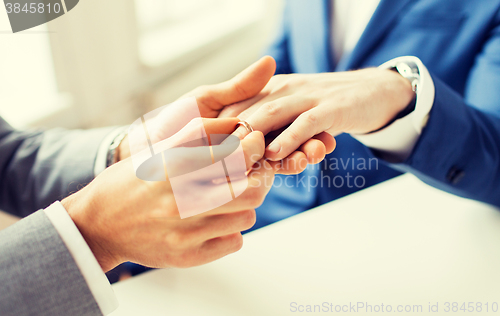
(213,101)
(123,218)
(307,105)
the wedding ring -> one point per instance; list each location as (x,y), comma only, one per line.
(246,125)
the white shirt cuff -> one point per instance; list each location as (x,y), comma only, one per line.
(398,139)
(101,160)
(89,267)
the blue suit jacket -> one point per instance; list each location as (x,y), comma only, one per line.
(458,151)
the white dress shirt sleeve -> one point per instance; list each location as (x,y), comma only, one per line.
(396,141)
(87,263)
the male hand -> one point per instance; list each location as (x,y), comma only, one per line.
(308,105)
(123,218)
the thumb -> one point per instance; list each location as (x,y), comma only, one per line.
(243,86)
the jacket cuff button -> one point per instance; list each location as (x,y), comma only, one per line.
(455,175)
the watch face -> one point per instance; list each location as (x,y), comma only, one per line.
(404,69)
(407,69)
(410,72)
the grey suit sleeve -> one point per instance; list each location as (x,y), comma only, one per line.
(38,168)
(38,275)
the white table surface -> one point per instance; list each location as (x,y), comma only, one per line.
(399,243)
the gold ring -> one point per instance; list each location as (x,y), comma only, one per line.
(246,125)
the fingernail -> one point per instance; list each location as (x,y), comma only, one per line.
(274,148)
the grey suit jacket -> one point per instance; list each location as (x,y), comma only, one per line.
(38,275)
(38,168)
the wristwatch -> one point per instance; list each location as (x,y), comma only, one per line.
(111,157)
(409,70)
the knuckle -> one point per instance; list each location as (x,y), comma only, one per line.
(294,136)
(310,118)
(281,82)
(300,80)
(271,108)
(251,197)
(249,219)
(285,86)
(258,196)
(236,242)
(241,90)
(175,239)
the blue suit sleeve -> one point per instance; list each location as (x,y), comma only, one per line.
(279,49)
(459,150)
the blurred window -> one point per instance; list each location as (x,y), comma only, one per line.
(171,29)
(28,88)
(158,13)
(160,48)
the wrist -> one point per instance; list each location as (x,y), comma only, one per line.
(401,92)
(396,142)
(408,70)
(398,99)
(80,208)
(384,96)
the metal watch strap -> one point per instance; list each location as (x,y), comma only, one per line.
(409,70)
(111,157)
